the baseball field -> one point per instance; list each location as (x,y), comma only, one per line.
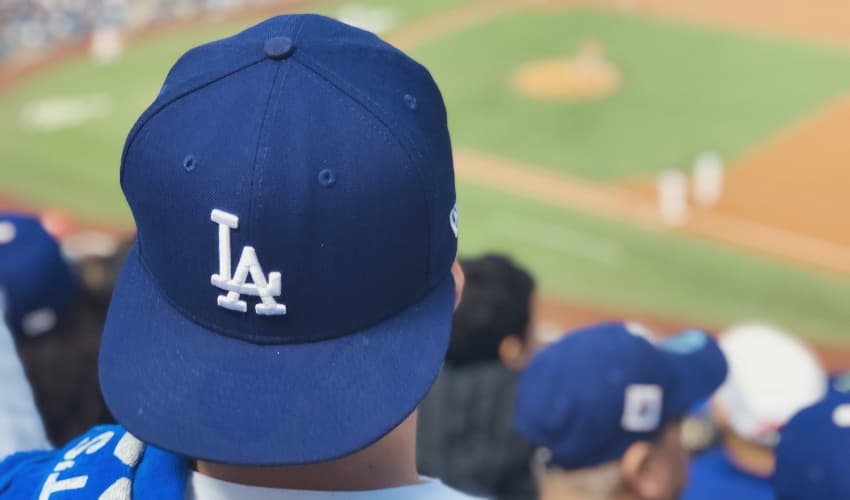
(562,114)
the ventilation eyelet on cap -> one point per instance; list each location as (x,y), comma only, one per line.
(189,163)
(410,100)
(279,47)
(327,177)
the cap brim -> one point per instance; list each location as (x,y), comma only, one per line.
(700,369)
(185,389)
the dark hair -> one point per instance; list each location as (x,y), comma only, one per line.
(61,364)
(496,303)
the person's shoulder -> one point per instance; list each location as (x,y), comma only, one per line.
(712,475)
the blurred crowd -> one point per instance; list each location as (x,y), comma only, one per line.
(35,25)
(608,411)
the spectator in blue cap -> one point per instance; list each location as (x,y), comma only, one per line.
(56,320)
(288,300)
(36,288)
(34,277)
(813,455)
(604,405)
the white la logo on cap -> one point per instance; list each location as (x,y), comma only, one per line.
(237,285)
(642,408)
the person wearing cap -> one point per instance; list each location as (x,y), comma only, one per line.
(604,406)
(772,376)
(35,289)
(56,318)
(813,454)
(34,277)
(288,301)
(465,435)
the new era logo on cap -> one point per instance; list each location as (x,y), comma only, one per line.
(642,408)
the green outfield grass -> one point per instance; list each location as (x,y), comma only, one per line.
(604,262)
(684,90)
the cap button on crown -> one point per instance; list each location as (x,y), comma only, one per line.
(279,47)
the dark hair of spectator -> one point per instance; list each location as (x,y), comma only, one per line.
(496,303)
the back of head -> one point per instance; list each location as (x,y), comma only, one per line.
(772,375)
(293,191)
(496,304)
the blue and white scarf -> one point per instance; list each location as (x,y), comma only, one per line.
(107,463)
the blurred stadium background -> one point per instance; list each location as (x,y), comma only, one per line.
(671,162)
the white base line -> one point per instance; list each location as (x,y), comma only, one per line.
(574,193)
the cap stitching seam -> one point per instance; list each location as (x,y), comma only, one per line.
(358,99)
(388,139)
(259,168)
(428,204)
(251,195)
(153,111)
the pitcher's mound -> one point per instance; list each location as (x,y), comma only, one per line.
(587,76)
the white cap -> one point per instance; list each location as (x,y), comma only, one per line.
(771,377)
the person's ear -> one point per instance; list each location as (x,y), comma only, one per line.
(512,352)
(638,474)
(719,414)
(460,281)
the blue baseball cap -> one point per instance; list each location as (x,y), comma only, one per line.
(598,390)
(813,455)
(36,283)
(289,296)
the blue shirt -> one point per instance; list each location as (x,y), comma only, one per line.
(712,476)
